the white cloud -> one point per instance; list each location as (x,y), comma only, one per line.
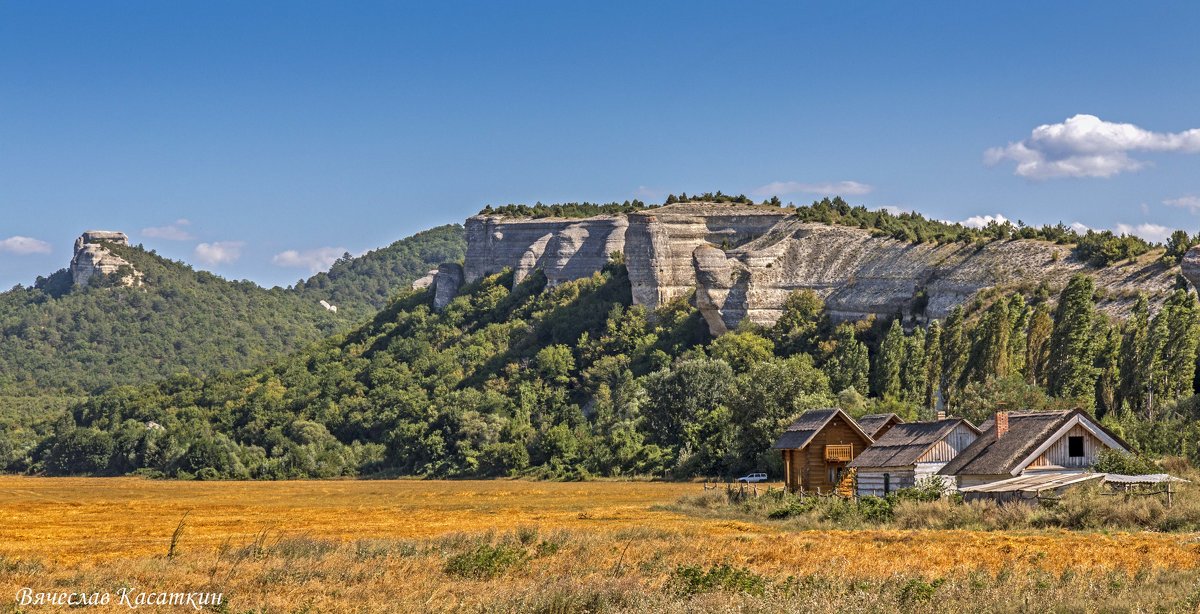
(1080,228)
(1149,232)
(979,221)
(840,188)
(894,210)
(170,232)
(219,252)
(23,246)
(1087,146)
(314,260)
(1191,203)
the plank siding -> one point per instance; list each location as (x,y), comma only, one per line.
(945,450)
(870,483)
(1058,455)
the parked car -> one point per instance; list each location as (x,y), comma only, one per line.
(751,478)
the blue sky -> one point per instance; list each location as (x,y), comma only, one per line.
(281,133)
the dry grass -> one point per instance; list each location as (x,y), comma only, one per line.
(521,546)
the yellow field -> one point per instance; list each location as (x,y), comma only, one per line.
(113,532)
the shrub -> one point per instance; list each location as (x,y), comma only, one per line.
(1113,461)
(485,561)
(694,579)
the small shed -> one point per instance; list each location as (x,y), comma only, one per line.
(817,448)
(908,453)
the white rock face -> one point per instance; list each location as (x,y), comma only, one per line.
(563,249)
(92,257)
(425,281)
(743,261)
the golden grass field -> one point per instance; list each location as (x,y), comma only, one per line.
(385,546)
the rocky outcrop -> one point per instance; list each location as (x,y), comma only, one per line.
(1190,266)
(446,282)
(563,249)
(743,261)
(859,274)
(92,257)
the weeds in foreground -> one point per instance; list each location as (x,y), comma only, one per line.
(1082,508)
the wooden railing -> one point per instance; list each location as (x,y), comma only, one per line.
(839,452)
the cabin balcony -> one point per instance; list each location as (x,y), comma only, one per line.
(839,453)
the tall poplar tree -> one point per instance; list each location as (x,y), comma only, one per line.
(1071,372)
(1108,353)
(1179,348)
(849,364)
(888,362)
(955,351)
(1019,315)
(1037,345)
(933,364)
(1135,339)
(913,370)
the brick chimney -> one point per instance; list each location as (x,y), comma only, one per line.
(1001,423)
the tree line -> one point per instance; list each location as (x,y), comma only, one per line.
(574,381)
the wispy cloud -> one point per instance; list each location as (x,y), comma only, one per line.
(1149,232)
(1191,203)
(171,232)
(894,210)
(839,188)
(315,260)
(219,252)
(23,246)
(1087,146)
(648,193)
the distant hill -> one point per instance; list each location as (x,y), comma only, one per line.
(57,339)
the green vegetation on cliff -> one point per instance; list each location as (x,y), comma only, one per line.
(574,381)
(55,339)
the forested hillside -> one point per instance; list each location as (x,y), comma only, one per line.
(55,339)
(573,381)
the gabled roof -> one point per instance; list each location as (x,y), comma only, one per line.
(871,423)
(801,432)
(905,443)
(1028,432)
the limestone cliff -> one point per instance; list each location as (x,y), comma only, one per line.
(92,257)
(742,262)
(563,249)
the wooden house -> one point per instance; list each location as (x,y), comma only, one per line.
(907,453)
(1015,444)
(817,448)
(876,425)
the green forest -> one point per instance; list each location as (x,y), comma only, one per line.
(574,381)
(60,340)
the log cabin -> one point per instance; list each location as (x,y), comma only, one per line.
(817,448)
(909,453)
(1015,444)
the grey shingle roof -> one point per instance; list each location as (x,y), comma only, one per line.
(800,432)
(905,443)
(1026,431)
(871,423)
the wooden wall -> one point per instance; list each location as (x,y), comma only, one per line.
(1058,453)
(870,483)
(945,450)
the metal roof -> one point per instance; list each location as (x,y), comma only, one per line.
(1034,482)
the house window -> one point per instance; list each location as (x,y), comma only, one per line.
(1075,446)
(835,474)
(887,483)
